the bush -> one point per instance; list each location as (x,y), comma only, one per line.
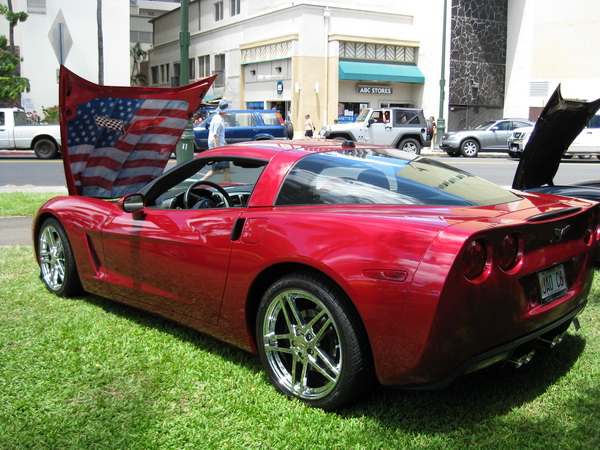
(51,114)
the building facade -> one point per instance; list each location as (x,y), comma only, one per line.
(328,59)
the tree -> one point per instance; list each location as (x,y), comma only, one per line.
(11,85)
(138,55)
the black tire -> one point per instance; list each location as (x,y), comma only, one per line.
(45,149)
(55,258)
(515,155)
(312,343)
(410,145)
(469,148)
(453,154)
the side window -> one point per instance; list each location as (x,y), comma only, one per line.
(503,126)
(520,125)
(595,122)
(2,122)
(405,118)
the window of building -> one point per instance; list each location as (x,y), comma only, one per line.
(176,80)
(377,52)
(164,73)
(36,6)
(234,6)
(192,69)
(218,11)
(154,74)
(204,66)
(220,70)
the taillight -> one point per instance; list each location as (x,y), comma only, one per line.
(474,260)
(590,230)
(509,256)
(280,119)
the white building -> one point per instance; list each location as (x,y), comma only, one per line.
(40,62)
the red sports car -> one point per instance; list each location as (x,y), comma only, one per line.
(341,265)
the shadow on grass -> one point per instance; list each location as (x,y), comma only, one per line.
(473,398)
(178,331)
(467,402)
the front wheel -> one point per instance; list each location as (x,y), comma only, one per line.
(515,155)
(312,342)
(410,145)
(45,149)
(56,260)
(469,148)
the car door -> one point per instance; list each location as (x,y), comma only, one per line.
(588,141)
(6,138)
(498,135)
(240,127)
(176,260)
(381,131)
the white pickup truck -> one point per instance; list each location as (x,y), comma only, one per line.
(17,134)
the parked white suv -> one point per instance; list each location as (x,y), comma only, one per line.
(585,145)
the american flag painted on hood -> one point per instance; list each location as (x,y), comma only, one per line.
(117,139)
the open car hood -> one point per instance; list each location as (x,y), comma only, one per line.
(116,139)
(559,124)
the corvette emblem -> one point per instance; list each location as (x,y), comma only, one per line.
(560,233)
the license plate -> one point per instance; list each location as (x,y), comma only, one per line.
(553,283)
(514,147)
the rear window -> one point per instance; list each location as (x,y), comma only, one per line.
(271,119)
(384,177)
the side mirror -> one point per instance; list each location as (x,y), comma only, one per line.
(494,129)
(132,203)
(370,122)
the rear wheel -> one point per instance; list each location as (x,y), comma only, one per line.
(515,155)
(312,342)
(410,145)
(469,148)
(454,154)
(55,257)
(45,149)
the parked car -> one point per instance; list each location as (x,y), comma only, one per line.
(585,145)
(490,136)
(404,128)
(560,124)
(17,134)
(340,264)
(245,125)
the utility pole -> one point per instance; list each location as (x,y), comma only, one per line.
(441,125)
(185,147)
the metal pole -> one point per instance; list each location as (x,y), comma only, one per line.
(185,147)
(184,42)
(441,125)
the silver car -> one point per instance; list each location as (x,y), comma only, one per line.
(489,136)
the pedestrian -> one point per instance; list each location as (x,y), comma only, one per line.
(433,131)
(216,138)
(309,127)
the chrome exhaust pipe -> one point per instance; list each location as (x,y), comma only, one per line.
(522,360)
(555,341)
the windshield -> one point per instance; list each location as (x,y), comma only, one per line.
(384,177)
(485,125)
(362,115)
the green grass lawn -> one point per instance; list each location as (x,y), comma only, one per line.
(91,373)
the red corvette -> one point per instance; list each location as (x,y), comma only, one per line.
(340,265)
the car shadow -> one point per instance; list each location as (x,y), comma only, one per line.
(473,398)
(179,331)
(468,401)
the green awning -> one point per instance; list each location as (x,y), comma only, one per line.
(369,71)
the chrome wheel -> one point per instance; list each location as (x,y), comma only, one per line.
(312,342)
(55,257)
(52,258)
(302,344)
